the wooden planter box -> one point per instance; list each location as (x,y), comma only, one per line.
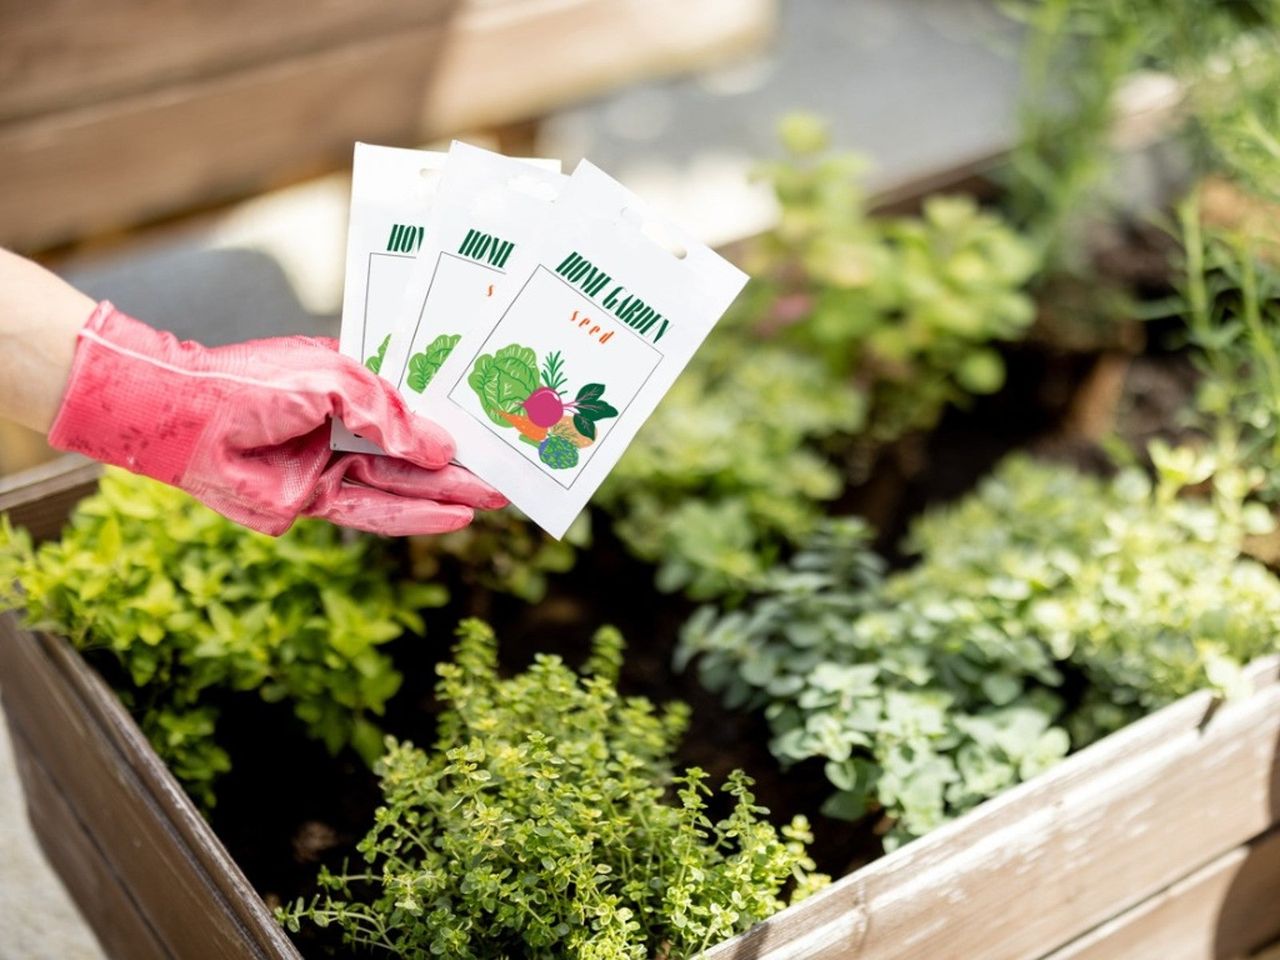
(200,101)
(1159,841)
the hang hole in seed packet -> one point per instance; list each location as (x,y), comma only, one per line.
(587,339)
(488,214)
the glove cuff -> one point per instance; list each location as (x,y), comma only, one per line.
(128,400)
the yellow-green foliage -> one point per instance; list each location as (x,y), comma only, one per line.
(190,604)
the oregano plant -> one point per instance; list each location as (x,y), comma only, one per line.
(548,821)
(190,605)
(929,690)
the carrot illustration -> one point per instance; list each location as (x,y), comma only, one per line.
(526,426)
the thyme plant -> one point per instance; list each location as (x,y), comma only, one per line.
(191,605)
(548,822)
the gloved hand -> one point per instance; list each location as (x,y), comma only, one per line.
(244,429)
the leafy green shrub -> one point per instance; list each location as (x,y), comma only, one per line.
(189,603)
(501,551)
(908,307)
(932,689)
(541,826)
(850,326)
(728,469)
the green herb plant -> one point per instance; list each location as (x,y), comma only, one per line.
(1230,301)
(502,552)
(851,327)
(548,822)
(190,604)
(932,689)
(907,307)
(730,467)
(1076,58)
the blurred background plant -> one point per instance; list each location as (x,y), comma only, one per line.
(853,326)
(1223,57)
(501,552)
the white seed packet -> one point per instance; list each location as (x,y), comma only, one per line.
(488,215)
(391,193)
(587,339)
(392,196)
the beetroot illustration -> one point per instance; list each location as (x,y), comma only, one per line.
(544,407)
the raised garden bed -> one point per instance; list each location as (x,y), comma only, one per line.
(1158,840)
(1164,830)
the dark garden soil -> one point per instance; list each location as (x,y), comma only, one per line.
(287,806)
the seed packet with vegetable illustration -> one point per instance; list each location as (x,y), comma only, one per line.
(391,191)
(488,213)
(392,195)
(588,337)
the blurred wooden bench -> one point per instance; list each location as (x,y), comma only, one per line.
(117,112)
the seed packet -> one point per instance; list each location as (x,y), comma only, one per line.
(391,191)
(486,218)
(587,337)
(392,195)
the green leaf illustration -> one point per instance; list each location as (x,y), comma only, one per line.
(374,363)
(584,426)
(423,366)
(504,380)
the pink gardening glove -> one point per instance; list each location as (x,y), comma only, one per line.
(245,430)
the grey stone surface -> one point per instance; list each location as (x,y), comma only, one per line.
(215,296)
(913,84)
(38,921)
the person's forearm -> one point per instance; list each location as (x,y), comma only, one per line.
(40,316)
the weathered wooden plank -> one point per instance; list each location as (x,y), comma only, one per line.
(106,903)
(71,53)
(1223,911)
(1053,858)
(196,837)
(40,498)
(190,911)
(142,156)
(545,54)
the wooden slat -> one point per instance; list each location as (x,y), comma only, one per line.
(193,911)
(196,837)
(70,53)
(1223,911)
(105,903)
(1053,858)
(505,61)
(142,156)
(40,499)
